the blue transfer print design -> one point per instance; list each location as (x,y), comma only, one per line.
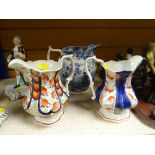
(80,80)
(101,87)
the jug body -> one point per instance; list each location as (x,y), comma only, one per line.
(46,94)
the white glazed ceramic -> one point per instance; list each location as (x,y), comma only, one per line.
(45,95)
(116,95)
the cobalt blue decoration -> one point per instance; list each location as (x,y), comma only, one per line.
(80,80)
(3,70)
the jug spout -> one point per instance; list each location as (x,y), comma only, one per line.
(16,63)
(135,61)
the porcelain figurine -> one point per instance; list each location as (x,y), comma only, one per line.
(3,115)
(80,82)
(45,95)
(116,95)
(18,52)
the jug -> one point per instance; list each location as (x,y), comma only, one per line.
(44,93)
(116,95)
(80,81)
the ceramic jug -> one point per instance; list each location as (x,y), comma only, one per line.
(80,81)
(116,95)
(44,93)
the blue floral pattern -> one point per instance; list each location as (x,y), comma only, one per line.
(80,80)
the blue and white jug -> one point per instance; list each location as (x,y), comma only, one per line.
(80,81)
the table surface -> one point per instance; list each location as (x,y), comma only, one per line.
(80,117)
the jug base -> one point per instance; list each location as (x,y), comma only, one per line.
(50,120)
(109,115)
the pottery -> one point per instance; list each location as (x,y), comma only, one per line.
(80,82)
(45,95)
(3,115)
(18,52)
(116,95)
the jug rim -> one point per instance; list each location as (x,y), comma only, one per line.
(124,65)
(79,46)
(41,66)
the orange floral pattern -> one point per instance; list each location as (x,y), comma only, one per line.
(45,90)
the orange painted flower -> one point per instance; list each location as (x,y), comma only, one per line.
(52,82)
(36,87)
(57,85)
(53,94)
(60,92)
(111,99)
(56,106)
(44,103)
(111,75)
(35,95)
(43,91)
(44,77)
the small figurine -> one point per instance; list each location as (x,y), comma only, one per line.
(18,52)
(13,91)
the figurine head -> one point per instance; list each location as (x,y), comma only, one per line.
(17,40)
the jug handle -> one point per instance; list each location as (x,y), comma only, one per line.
(70,77)
(53,50)
(89,75)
